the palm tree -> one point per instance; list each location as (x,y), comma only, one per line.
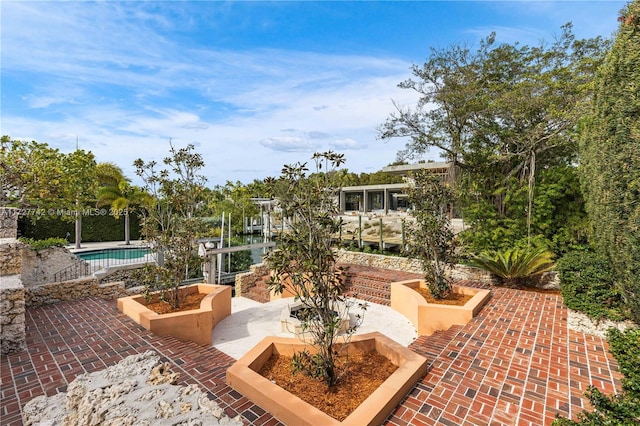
(116,191)
(515,266)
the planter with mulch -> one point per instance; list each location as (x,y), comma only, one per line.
(193,325)
(244,377)
(431,317)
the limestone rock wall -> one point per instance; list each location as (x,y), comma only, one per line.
(12,314)
(248,279)
(10,256)
(12,306)
(8,222)
(128,273)
(39,267)
(46,294)
(397,263)
(139,390)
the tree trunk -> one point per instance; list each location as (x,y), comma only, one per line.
(126,228)
(78,230)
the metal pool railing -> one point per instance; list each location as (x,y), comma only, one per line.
(104,258)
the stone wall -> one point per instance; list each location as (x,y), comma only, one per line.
(10,256)
(139,390)
(12,306)
(12,314)
(70,290)
(39,267)
(397,263)
(8,222)
(247,280)
(128,273)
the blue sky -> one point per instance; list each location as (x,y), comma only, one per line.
(254,85)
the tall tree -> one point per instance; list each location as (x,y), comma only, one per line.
(234,199)
(46,181)
(80,183)
(610,158)
(30,175)
(116,191)
(498,113)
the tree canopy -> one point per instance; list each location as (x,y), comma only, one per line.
(34,175)
(500,114)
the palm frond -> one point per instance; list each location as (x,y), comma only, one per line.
(514,263)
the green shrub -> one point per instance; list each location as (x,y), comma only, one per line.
(37,245)
(624,408)
(515,266)
(609,151)
(94,228)
(587,285)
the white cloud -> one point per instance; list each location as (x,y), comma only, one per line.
(110,74)
(347,144)
(287,144)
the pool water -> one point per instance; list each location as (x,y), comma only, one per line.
(115,253)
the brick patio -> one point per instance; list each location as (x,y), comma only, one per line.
(516,363)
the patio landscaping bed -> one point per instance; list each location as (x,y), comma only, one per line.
(517,362)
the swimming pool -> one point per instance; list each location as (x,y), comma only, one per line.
(115,254)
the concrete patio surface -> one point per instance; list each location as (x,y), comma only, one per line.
(516,363)
(251,321)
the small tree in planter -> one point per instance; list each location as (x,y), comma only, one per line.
(431,236)
(169,223)
(306,264)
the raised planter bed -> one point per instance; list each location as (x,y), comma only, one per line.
(431,317)
(194,325)
(243,376)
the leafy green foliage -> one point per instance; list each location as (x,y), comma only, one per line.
(587,285)
(558,221)
(305,264)
(36,175)
(346,178)
(431,238)
(610,158)
(31,174)
(504,115)
(515,266)
(169,222)
(94,228)
(37,245)
(234,199)
(116,191)
(622,409)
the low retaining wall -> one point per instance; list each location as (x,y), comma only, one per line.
(128,273)
(47,294)
(12,314)
(397,263)
(40,266)
(248,279)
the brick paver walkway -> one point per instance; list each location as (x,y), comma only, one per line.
(516,363)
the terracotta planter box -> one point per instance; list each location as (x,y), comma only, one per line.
(243,376)
(195,325)
(431,317)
